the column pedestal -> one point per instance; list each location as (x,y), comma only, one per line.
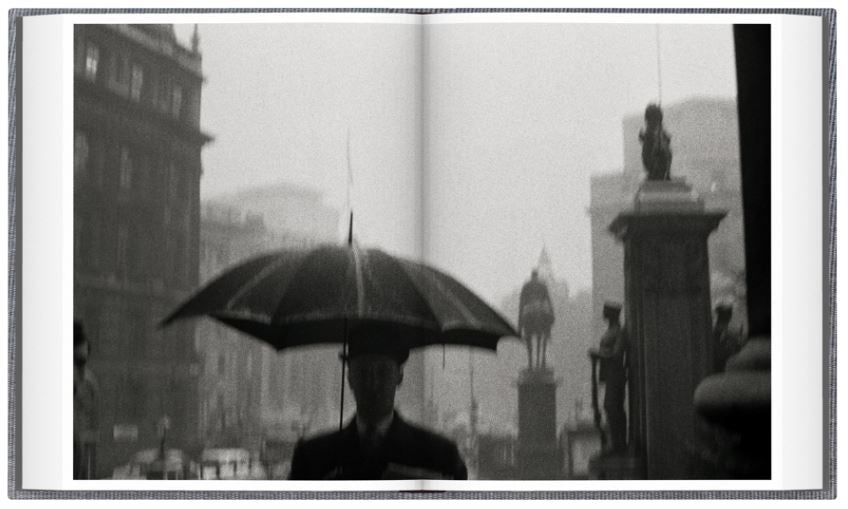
(668,321)
(538,452)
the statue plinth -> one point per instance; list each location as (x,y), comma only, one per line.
(667,196)
(669,320)
(616,467)
(538,452)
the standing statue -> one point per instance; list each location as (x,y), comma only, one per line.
(613,374)
(535,319)
(656,145)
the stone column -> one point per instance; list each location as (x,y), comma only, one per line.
(668,320)
(538,452)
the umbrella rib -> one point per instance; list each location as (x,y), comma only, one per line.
(466,313)
(262,274)
(463,310)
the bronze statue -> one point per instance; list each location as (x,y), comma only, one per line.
(535,319)
(613,374)
(656,145)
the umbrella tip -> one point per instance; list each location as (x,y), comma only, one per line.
(350,230)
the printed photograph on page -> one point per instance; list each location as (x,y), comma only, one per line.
(341,251)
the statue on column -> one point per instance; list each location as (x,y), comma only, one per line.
(610,354)
(535,319)
(656,145)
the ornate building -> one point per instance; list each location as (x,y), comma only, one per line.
(137,167)
(231,385)
(249,390)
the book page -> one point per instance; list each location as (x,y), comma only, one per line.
(264,133)
(187,145)
(542,165)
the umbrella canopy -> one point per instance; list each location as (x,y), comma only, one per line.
(311,296)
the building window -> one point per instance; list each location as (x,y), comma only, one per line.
(163,95)
(91,239)
(77,240)
(173,183)
(135,335)
(81,152)
(92,60)
(179,262)
(141,172)
(108,323)
(136,82)
(157,343)
(155,404)
(176,101)
(134,396)
(221,412)
(97,160)
(121,68)
(126,175)
(183,262)
(170,256)
(123,249)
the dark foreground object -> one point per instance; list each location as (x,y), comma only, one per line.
(539,456)
(407,452)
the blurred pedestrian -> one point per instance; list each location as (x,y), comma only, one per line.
(85,408)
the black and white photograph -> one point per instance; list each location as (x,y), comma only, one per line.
(423,251)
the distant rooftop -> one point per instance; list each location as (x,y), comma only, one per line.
(271,190)
(163,40)
(161,31)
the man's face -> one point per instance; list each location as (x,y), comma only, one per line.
(374,378)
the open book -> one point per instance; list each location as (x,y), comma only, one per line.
(610,228)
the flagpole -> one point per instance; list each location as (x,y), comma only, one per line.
(659,67)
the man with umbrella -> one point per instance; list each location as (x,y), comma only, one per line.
(378,306)
(377,443)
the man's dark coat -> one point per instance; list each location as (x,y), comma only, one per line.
(406,452)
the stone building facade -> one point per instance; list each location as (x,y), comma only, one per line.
(137,167)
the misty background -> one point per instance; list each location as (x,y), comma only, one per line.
(476,173)
(522,114)
(484,150)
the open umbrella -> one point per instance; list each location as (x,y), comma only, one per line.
(310,296)
(299,297)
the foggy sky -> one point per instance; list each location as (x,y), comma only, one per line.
(518,117)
